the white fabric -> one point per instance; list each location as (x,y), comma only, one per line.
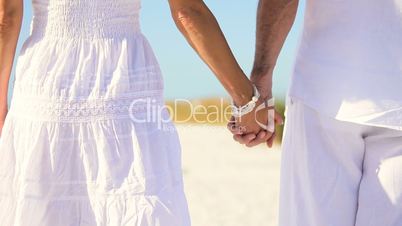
(349,63)
(337,173)
(70,152)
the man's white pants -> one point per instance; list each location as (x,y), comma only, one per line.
(337,173)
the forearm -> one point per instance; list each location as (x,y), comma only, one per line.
(202,31)
(274,21)
(10,25)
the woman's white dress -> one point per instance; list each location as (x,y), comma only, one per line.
(87,141)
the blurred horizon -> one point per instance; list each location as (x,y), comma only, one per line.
(185,75)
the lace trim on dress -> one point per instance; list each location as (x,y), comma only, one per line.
(84,110)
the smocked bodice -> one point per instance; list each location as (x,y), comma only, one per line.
(85,18)
(85,60)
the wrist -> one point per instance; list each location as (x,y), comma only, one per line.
(263,84)
(242,97)
(266,95)
(261,70)
(241,110)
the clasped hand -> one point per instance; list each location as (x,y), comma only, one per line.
(250,130)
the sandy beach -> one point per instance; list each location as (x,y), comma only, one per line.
(227,184)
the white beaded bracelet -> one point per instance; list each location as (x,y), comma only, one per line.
(247,108)
(270,106)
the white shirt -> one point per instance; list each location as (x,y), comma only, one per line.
(349,64)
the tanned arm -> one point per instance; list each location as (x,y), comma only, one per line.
(275,18)
(200,28)
(11,13)
(274,21)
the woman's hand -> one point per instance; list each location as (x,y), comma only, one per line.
(252,136)
(247,130)
(249,123)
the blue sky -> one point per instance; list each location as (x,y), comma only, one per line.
(185,75)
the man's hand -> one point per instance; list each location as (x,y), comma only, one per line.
(249,123)
(251,140)
(254,136)
(274,21)
(248,131)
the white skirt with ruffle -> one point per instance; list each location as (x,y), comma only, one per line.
(87,140)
